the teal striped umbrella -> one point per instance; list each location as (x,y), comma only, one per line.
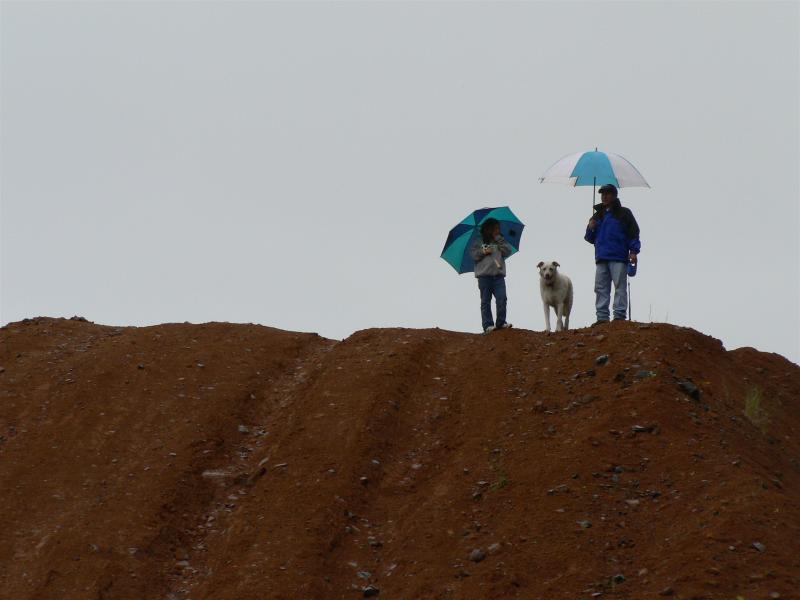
(461,237)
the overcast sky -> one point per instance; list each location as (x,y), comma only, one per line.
(300,164)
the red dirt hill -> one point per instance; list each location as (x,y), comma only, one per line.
(228,461)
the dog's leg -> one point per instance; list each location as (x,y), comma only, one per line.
(547,318)
(559,316)
(568,305)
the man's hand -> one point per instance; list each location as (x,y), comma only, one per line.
(592,224)
(633,258)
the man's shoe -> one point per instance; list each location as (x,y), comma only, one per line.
(489,329)
(504,326)
(600,322)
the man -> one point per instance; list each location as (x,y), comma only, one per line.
(615,234)
(489,253)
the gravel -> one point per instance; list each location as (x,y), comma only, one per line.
(371,592)
(477,555)
(689,388)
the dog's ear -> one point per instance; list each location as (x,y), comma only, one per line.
(539,266)
(555,264)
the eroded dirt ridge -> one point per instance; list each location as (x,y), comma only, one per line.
(228,461)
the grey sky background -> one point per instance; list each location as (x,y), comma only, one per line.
(299,164)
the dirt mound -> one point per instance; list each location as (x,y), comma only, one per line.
(228,461)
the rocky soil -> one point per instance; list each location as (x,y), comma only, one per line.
(226,461)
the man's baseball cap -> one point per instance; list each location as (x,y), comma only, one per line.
(608,188)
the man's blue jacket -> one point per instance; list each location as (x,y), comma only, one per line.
(616,234)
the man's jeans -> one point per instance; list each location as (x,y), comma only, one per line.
(606,273)
(492,285)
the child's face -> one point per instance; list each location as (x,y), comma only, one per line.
(496,231)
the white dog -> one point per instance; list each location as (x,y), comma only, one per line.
(556,292)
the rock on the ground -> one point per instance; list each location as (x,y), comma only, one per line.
(477,555)
(689,388)
(643,428)
(667,591)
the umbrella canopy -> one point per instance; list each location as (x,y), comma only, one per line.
(594,168)
(461,237)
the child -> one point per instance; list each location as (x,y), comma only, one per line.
(489,252)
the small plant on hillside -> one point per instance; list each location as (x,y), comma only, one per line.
(500,475)
(501,482)
(754,408)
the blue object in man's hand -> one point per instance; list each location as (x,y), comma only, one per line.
(631,269)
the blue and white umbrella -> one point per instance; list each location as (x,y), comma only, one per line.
(594,168)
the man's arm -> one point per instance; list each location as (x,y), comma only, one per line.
(634,247)
(631,226)
(591,231)
(632,231)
